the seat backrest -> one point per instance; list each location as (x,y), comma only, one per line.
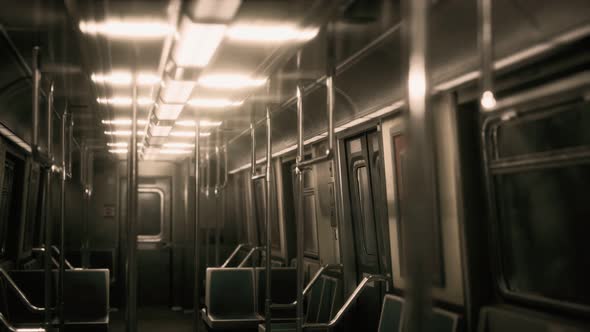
(283,286)
(496,319)
(328,299)
(230,291)
(442,321)
(86,295)
(391,314)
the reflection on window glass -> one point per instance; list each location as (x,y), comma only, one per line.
(544,225)
(149,213)
(530,136)
(5,201)
(368,224)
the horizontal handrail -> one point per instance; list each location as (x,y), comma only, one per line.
(258,176)
(346,306)
(309,162)
(314,279)
(12,328)
(20,293)
(56,251)
(233,254)
(250,253)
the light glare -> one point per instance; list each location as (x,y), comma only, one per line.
(128,29)
(213,103)
(230,81)
(197,43)
(270,33)
(488,101)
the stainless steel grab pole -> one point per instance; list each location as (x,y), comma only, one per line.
(48,206)
(132,217)
(197,286)
(486,54)
(62,218)
(299,214)
(217,193)
(268,221)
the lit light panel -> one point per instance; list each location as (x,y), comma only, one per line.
(123,122)
(216,10)
(178,145)
(230,81)
(187,134)
(168,111)
(196,43)
(203,123)
(125,101)
(270,33)
(127,29)
(122,133)
(175,91)
(214,102)
(118,151)
(125,78)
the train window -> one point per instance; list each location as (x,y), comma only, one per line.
(5,202)
(150,216)
(541,207)
(33,208)
(364,192)
(260,202)
(533,134)
(544,227)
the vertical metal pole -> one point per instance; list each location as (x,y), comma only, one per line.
(132,219)
(208,186)
(197,290)
(268,220)
(419,178)
(331,72)
(252,141)
(299,214)
(217,193)
(486,52)
(85,170)
(36,88)
(62,218)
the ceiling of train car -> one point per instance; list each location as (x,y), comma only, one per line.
(366,48)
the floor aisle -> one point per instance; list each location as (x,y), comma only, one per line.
(154,319)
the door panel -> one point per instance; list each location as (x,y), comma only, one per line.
(362,157)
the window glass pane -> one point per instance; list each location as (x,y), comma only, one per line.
(311,233)
(149,213)
(5,202)
(565,129)
(32,209)
(544,221)
(364,192)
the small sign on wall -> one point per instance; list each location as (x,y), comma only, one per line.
(108,211)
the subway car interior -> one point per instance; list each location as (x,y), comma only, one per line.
(294,165)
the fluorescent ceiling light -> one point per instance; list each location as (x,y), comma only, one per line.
(118,151)
(121,145)
(168,111)
(124,101)
(174,151)
(197,43)
(222,10)
(176,92)
(122,133)
(123,122)
(160,130)
(127,29)
(203,123)
(214,102)
(270,33)
(230,81)
(124,78)
(178,145)
(187,134)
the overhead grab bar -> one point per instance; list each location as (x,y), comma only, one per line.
(12,328)
(233,254)
(31,307)
(346,306)
(250,253)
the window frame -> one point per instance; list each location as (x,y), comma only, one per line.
(160,236)
(526,105)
